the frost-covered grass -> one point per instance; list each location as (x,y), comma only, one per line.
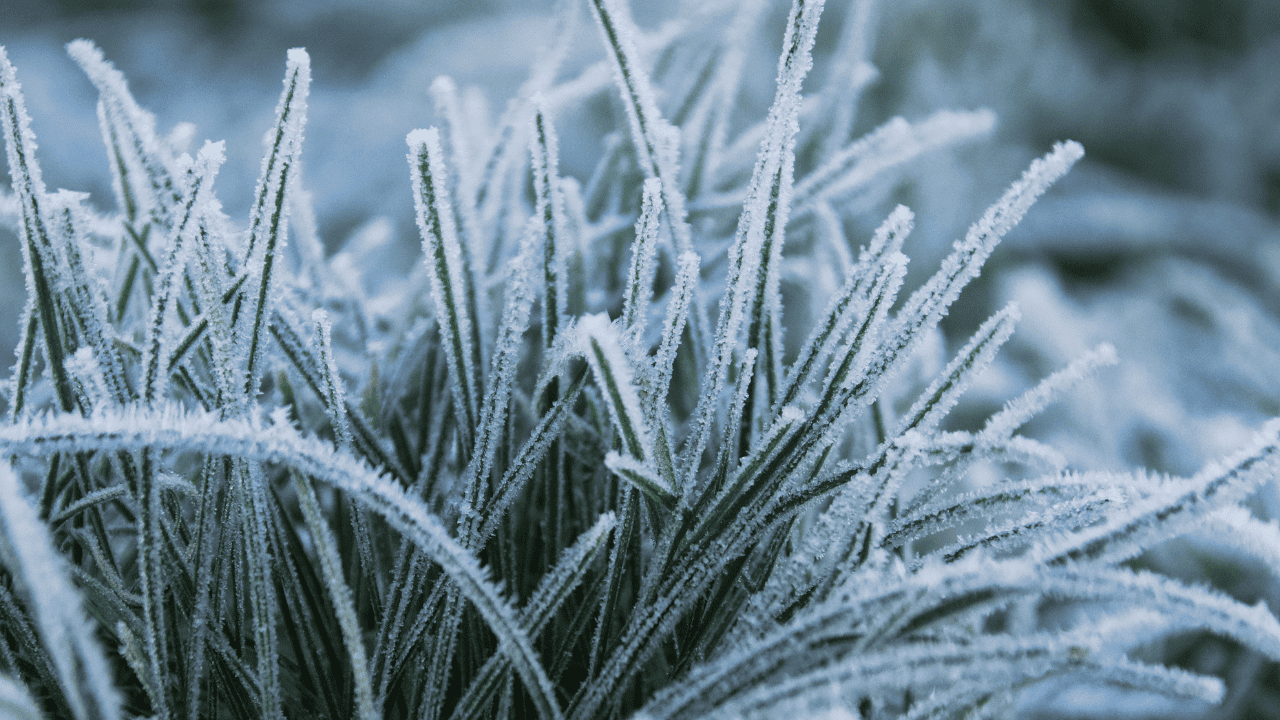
(572,465)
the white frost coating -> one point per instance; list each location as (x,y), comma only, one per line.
(655,140)
(186,224)
(1018,411)
(87,379)
(854,299)
(340,594)
(892,144)
(130,130)
(85,295)
(767,200)
(850,361)
(444,96)
(334,400)
(930,302)
(601,344)
(208,261)
(552,591)
(549,208)
(170,427)
(1172,507)
(269,215)
(26,179)
(644,477)
(938,399)
(29,191)
(567,574)
(682,291)
(1185,607)
(443,256)
(40,578)
(992,665)
(518,302)
(1236,528)
(1014,499)
(644,251)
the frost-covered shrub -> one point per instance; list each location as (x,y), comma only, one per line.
(572,465)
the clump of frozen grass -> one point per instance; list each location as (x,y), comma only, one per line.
(548,480)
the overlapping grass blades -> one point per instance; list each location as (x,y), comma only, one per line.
(523,495)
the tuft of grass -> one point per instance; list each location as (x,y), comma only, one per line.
(554,482)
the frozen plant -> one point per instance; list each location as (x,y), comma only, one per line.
(571,466)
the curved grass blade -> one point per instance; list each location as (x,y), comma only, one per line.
(451,281)
(171,428)
(269,217)
(38,574)
(37,248)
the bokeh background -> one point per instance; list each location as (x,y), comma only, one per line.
(1164,241)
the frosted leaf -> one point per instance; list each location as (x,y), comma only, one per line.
(1015,499)
(644,250)
(892,144)
(40,577)
(39,266)
(768,204)
(518,304)
(86,379)
(645,478)
(929,303)
(185,224)
(654,139)
(996,664)
(449,279)
(601,344)
(269,214)
(169,427)
(83,298)
(730,449)
(1181,607)
(208,271)
(1173,507)
(550,209)
(973,358)
(299,356)
(1031,524)
(334,394)
(860,362)
(1016,412)
(339,594)
(458,139)
(551,593)
(142,164)
(678,308)
(752,289)
(853,299)
(1236,528)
